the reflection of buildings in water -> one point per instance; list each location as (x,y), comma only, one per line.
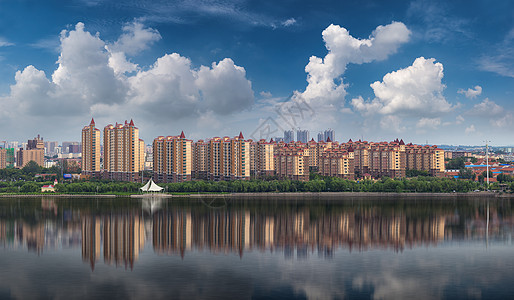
(175,232)
(119,237)
(123,238)
(477,227)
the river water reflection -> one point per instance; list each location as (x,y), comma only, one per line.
(380,248)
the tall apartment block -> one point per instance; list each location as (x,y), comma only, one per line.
(290,163)
(172,158)
(288,136)
(321,138)
(7,158)
(90,149)
(262,158)
(123,152)
(302,136)
(337,163)
(229,158)
(35,151)
(200,160)
(427,158)
(329,135)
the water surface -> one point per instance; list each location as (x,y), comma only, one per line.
(356,248)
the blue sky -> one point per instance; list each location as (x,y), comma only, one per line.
(436,71)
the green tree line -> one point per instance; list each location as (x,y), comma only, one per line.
(320,184)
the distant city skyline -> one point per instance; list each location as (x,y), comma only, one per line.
(420,70)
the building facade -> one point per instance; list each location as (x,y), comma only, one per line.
(90,149)
(7,158)
(229,158)
(172,159)
(290,163)
(123,152)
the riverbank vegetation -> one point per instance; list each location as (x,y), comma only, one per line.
(420,184)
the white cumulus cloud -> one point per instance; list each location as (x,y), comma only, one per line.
(415,90)
(224,87)
(325,84)
(471,93)
(95,77)
(135,39)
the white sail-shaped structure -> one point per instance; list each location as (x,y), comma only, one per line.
(151,186)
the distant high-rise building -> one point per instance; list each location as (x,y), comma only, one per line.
(321,137)
(74,149)
(288,136)
(302,136)
(36,143)
(50,147)
(90,148)
(329,134)
(35,150)
(66,146)
(123,151)
(6,158)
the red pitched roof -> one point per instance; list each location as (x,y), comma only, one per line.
(182,135)
(241,135)
(92,121)
(329,140)
(131,122)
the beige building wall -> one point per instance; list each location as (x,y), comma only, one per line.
(90,148)
(172,158)
(24,156)
(123,150)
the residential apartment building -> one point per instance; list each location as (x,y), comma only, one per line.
(337,163)
(90,149)
(200,160)
(24,156)
(290,163)
(427,158)
(7,158)
(123,152)
(172,158)
(288,136)
(302,136)
(262,158)
(387,159)
(229,158)
(36,143)
(35,150)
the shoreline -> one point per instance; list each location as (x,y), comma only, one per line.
(271,195)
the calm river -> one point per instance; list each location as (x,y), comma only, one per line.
(355,248)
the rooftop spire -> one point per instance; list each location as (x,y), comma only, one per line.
(182,135)
(329,140)
(92,121)
(131,122)
(241,135)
